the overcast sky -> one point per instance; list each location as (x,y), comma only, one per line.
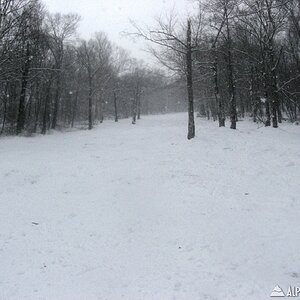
(112,17)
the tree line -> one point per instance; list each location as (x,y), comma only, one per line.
(238,58)
(50,78)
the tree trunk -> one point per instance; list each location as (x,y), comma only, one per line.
(102,106)
(5,109)
(273,86)
(242,105)
(56,99)
(253,97)
(4,116)
(21,113)
(74,109)
(139,106)
(116,107)
(268,113)
(267,99)
(46,109)
(37,112)
(231,83)
(189,77)
(266,91)
(90,103)
(279,112)
(219,101)
(134,107)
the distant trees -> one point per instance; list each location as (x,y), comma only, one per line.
(94,57)
(121,63)
(177,47)
(231,59)
(241,54)
(59,29)
(50,79)
(250,45)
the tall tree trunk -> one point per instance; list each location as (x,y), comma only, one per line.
(139,106)
(189,77)
(266,92)
(97,114)
(90,103)
(273,86)
(46,116)
(253,96)
(5,109)
(74,108)
(125,108)
(116,107)
(37,110)
(57,98)
(102,107)
(242,105)
(21,113)
(272,68)
(4,117)
(219,101)
(280,112)
(268,113)
(134,106)
(231,83)
(28,106)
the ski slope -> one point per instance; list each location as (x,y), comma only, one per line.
(139,212)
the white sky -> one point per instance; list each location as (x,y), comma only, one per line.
(112,17)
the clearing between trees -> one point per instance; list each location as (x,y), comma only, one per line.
(138,212)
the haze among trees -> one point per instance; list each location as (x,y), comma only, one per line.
(122,179)
(245,59)
(231,59)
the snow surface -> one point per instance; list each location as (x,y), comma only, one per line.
(139,212)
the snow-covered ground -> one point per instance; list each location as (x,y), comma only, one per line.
(139,212)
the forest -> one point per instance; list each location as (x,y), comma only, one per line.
(235,58)
(168,175)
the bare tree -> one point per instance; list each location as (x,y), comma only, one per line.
(95,57)
(60,29)
(176,54)
(29,32)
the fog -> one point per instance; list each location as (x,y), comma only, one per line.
(113,17)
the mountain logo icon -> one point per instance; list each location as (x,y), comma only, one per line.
(277,292)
